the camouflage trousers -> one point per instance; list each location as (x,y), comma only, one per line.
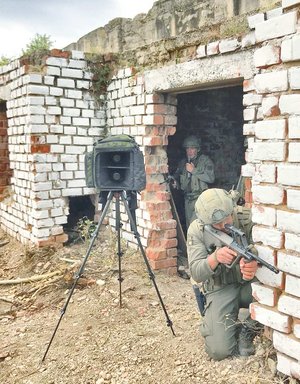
(221,326)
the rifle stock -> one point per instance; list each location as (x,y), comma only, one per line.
(238,243)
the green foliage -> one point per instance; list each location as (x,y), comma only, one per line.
(4,61)
(101,77)
(37,48)
(85,228)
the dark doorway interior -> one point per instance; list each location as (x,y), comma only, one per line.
(215,116)
(80,209)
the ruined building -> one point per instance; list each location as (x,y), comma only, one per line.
(226,71)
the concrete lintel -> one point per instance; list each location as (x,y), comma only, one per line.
(208,72)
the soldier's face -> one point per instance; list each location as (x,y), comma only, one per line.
(191,152)
(221,225)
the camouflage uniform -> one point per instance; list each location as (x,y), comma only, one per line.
(193,184)
(224,289)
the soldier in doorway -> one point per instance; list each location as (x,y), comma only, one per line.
(193,175)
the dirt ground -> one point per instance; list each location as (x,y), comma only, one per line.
(97,341)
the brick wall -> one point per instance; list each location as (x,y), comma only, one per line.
(272,114)
(52,123)
(5,172)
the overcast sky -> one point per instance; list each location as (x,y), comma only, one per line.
(65,21)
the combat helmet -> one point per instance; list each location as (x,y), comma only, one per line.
(213,206)
(191,142)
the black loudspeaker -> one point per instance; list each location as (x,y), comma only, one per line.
(115,164)
(114,170)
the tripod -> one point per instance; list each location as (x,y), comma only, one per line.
(117,195)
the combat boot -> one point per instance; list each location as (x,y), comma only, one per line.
(245,342)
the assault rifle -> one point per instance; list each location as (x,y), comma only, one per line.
(235,239)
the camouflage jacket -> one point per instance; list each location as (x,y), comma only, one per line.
(196,182)
(198,249)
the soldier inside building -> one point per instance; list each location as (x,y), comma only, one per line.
(193,174)
(226,290)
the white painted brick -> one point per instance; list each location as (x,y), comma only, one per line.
(286,344)
(267,277)
(57,230)
(268,194)
(75,149)
(249,114)
(266,56)
(73,112)
(43,223)
(62,219)
(265,173)
(271,82)
(56,91)
(289,305)
(40,233)
(290,49)
(269,129)
(201,51)
(50,100)
(286,365)
(73,94)
(212,48)
(248,129)
(289,263)
(289,174)
(288,221)
(264,215)
(32,78)
(270,106)
(49,80)
(57,61)
(228,45)
(75,73)
(293,199)
(65,83)
(289,3)
(251,98)
(247,170)
(270,318)
(72,192)
(248,40)
(37,90)
(255,19)
(54,110)
(294,152)
(84,121)
(276,27)
(294,127)
(290,104)
(267,236)
(264,295)
(53,71)
(294,77)
(292,242)
(274,151)
(292,286)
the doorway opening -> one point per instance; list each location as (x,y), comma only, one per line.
(216,117)
(80,222)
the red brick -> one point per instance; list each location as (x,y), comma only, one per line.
(163,195)
(40,148)
(156,253)
(60,53)
(167,224)
(163,264)
(169,243)
(172,252)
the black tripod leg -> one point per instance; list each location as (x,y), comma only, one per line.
(150,272)
(80,271)
(120,253)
